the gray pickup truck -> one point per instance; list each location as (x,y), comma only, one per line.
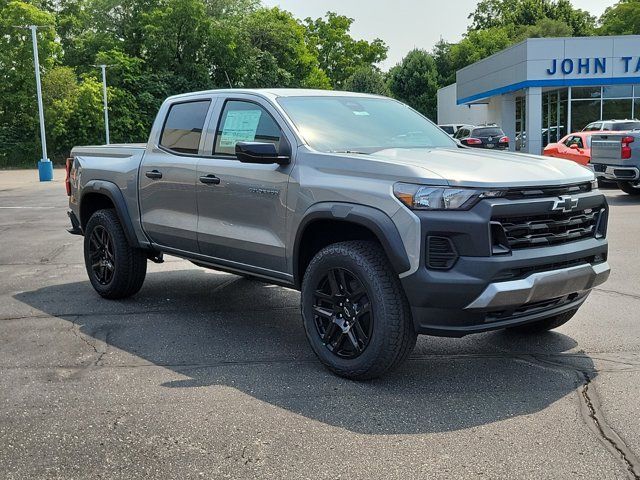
(616,156)
(387,226)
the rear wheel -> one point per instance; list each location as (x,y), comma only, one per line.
(355,313)
(115,269)
(632,188)
(544,325)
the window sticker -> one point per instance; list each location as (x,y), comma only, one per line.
(361,113)
(239,126)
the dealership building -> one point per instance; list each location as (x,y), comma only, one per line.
(543,88)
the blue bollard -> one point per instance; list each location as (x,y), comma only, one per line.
(45,170)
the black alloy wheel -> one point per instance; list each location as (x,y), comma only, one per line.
(102,255)
(342,313)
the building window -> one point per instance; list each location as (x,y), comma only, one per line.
(620,109)
(617,91)
(586,92)
(583,112)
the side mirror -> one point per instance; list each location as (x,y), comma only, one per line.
(574,146)
(260,152)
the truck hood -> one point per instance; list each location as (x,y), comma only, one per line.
(482,168)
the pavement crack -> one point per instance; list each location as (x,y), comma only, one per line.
(616,292)
(75,329)
(592,410)
(54,253)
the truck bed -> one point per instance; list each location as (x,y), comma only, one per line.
(114,149)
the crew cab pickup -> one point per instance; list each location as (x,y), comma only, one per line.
(387,226)
(616,156)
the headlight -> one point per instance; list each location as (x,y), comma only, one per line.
(594,184)
(423,197)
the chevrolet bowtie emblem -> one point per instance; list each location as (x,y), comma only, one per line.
(565,203)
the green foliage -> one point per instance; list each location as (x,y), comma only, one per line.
(367,79)
(157,48)
(338,53)
(415,82)
(278,53)
(517,13)
(18,108)
(621,19)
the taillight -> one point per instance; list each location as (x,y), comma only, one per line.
(504,139)
(67,180)
(473,141)
(626,147)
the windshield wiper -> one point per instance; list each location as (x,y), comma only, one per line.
(355,152)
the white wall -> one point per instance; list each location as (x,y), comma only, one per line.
(450,112)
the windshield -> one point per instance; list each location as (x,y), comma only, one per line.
(361,124)
(620,126)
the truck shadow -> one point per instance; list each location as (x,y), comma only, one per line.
(217,329)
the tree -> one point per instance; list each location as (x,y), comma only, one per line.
(19,129)
(621,19)
(415,82)
(367,79)
(338,53)
(475,46)
(278,53)
(512,14)
(545,27)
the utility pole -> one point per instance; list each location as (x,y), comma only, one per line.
(104,101)
(45,167)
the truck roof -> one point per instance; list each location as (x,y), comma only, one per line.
(279,92)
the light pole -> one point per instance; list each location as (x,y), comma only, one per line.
(45,167)
(104,100)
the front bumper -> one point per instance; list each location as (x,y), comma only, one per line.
(485,290)
(541,286)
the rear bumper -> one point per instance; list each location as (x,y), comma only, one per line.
(616,172)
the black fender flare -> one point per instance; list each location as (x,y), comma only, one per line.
(113,193)
(369,217)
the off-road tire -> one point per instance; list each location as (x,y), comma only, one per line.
(130,264)
(632,188)
(545,324)
(392,338)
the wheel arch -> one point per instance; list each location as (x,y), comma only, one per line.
(99,194)
(331,222)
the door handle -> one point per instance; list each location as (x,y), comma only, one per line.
(210,179)
(154,174)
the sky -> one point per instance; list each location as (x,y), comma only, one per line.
(405,24)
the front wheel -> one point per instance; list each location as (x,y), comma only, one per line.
(355,313)
(632,188)
(115,269)
(544,325)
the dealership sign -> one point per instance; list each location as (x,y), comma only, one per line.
(590,66)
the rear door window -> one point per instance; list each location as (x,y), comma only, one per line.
(621,126)
(183,126)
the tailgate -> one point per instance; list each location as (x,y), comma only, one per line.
(607,149)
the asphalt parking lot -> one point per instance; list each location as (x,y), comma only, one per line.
(208,375)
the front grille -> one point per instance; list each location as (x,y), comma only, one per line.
(553,191)
(549,228)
